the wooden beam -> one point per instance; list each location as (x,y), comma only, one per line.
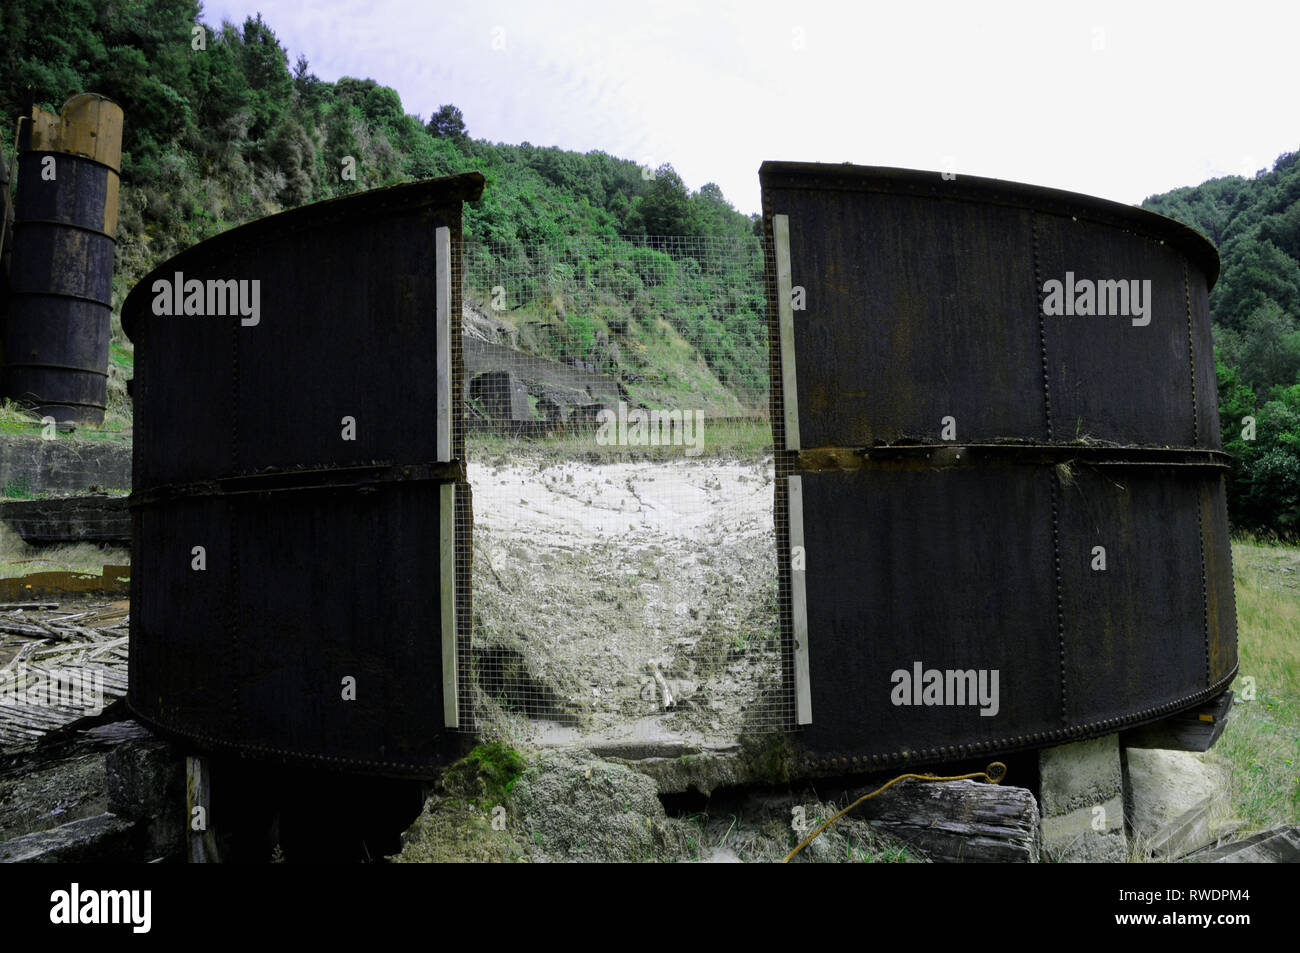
(1195,729)
(447,595)
(443,319)
(959,821)
(785,315)
(799,606)
(198,813)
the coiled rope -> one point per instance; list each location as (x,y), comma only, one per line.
(993,774)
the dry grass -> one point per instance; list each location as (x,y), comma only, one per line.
(19,559)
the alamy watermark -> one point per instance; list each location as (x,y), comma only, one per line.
(651,428)
(216,297)
(1085,297)
(55,688)
(76,906)
(932,686)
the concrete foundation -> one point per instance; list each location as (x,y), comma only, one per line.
(30,465)
(1082,802)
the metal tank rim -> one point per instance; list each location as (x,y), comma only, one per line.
(463,186)
(846,177)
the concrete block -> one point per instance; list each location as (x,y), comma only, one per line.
(1174,800)
(1081,799)
(30,465)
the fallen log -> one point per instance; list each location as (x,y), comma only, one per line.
(958,821)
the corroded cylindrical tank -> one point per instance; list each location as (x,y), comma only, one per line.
(56,336)
(1001,435)
(291,538)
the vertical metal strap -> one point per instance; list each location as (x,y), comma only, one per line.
(785,314)
(447,597)
(799,607)
(447,492)
(442,295)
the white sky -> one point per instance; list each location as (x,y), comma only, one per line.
(1116,99)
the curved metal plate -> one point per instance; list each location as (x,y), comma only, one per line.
(322,552)
(1056,515)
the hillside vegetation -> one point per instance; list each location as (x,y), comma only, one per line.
(221,130)
(1255,308)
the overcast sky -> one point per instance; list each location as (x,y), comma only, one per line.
(1119,100)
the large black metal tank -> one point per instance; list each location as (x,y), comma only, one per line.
(56,336)
(960,451)
(322,554)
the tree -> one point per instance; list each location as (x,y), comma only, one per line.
(265,65)
(665,209)
(448,123)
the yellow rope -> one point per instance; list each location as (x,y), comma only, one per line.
(994,773)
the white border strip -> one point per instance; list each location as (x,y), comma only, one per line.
(785,315)
(442,294)
(447,595)
(799,607)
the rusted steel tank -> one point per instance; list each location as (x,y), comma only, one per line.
(1006,466)
(291,532)
(56,337)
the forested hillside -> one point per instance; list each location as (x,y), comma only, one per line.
(221,130)
(1256,312)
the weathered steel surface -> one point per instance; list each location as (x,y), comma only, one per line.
(56,337)
(973,550)
(322,553)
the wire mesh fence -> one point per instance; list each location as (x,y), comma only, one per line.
(619,447)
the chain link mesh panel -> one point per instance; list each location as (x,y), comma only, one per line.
(620,454)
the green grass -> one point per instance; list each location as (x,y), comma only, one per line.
(17,420)
(1261,742)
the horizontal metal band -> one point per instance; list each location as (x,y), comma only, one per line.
(948,456)
(292,481)
(45,402)
(860,760)
(58,367)
(15,293)
(393,769)
(55,223)
(117,173)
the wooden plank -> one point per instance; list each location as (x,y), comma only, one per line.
(1278,846)
(442,296)
(198,813)
(447,593)
(959,821)
(785,317)
(799,607)
(1196,729)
